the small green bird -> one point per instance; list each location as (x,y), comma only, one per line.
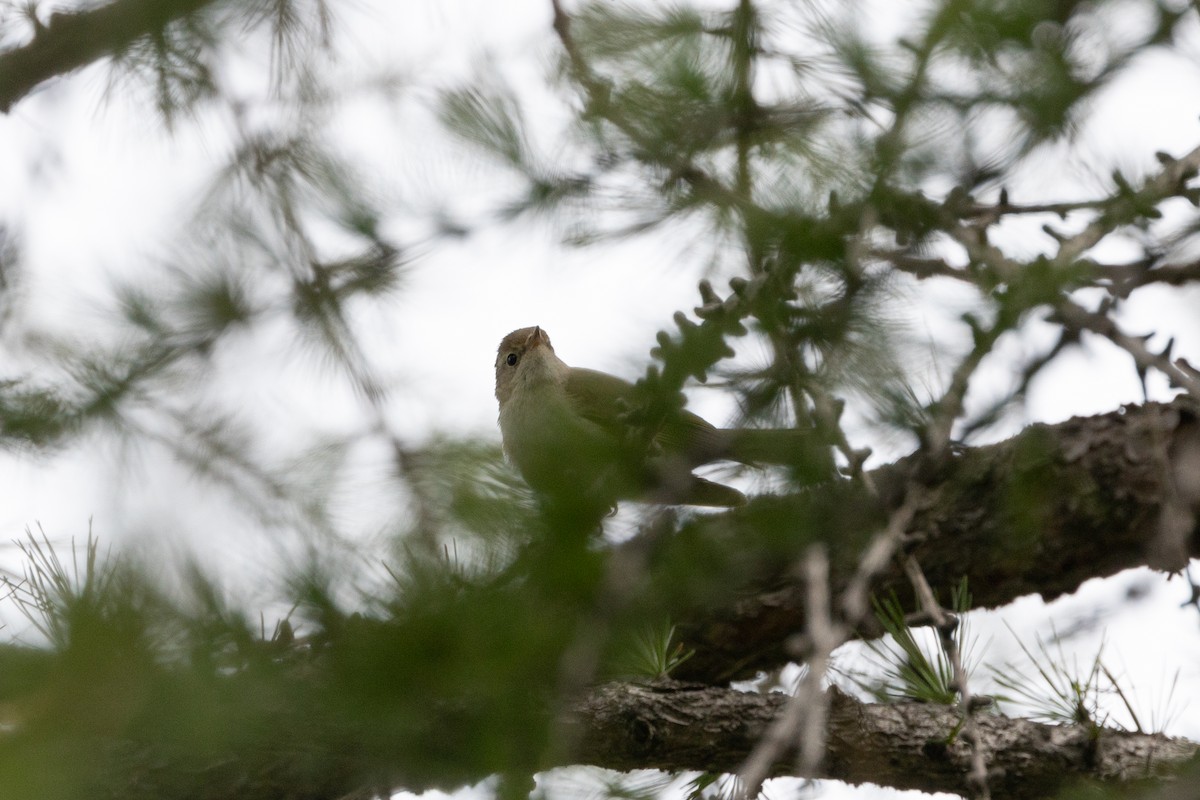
(562,428)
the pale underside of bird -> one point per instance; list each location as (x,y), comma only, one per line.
(565,430)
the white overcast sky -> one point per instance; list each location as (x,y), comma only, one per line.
(102,190)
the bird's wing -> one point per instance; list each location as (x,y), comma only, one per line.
(595,397)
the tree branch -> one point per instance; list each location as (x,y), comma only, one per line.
(1037,514)
(75,39)
(672,726)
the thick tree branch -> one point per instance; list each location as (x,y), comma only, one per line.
(75,39)
(1037,514)
(909,745)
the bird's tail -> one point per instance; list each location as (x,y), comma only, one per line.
(805,451)
(673,483)
(703,492)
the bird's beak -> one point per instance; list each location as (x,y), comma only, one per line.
(538,338)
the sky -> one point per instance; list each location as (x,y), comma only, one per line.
(103,187)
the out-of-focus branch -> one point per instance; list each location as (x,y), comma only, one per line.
(1005,208)
(1179,372)
(1125,278)
(806,711)
(71,40)
(1170,181)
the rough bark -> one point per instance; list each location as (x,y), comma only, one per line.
(1037,514)
(75,39)
(675,726)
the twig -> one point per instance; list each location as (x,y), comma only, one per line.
(921,267)
(1169,182)
(1194,599)
(998,210)
(824,638)
(1125,278)
(1178,371)
(806,710)
(945,624)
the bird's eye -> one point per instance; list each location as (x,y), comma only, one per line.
(511,360)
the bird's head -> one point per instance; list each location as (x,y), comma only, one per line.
(526,358)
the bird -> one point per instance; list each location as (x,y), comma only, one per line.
(563,429)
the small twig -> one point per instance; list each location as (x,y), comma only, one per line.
(1170,181)
(1178,372)
(941,423)
(806,710)
(1123,279)
(824,637)
(1029,371)
(1006,209)
(946,624)
(1194,599)
(921,267)
(1116,685)
(856,599)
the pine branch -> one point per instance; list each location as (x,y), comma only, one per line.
(1037,514)
(72,40)
(674,726)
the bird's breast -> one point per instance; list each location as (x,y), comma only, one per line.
(550,443)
